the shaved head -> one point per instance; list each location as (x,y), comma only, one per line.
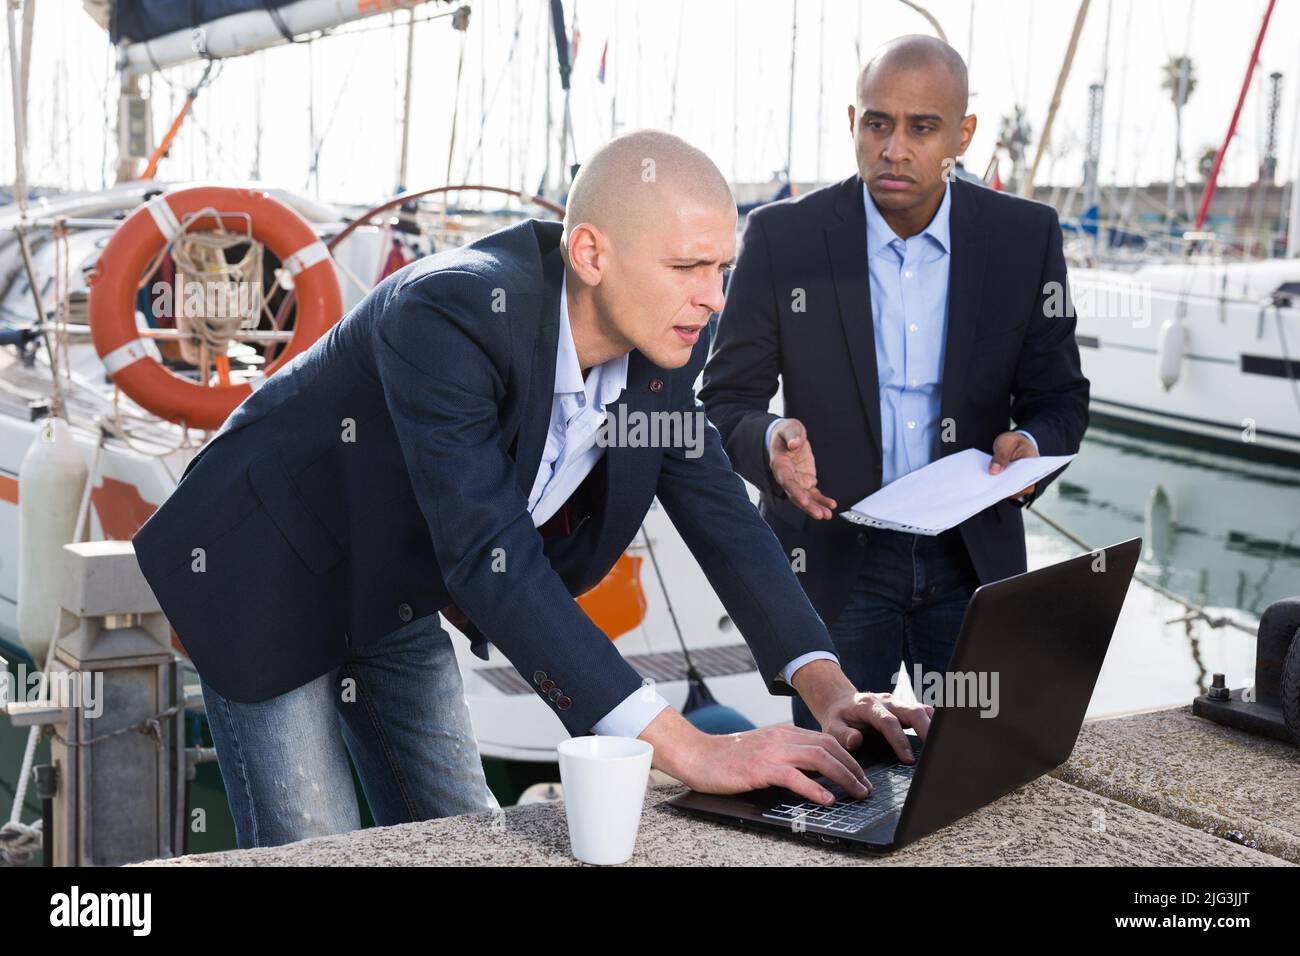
(628,183)
(910,127)
(649,231)
(918,52)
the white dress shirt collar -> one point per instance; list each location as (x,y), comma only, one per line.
(604,383)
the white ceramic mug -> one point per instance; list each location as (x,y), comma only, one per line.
(605,781)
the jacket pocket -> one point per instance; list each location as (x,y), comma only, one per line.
(306,535)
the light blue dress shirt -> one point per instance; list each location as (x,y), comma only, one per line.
(909,312)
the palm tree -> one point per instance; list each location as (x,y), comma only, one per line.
(1179,79)
(1206,161)
(1173,72)
(1015,136)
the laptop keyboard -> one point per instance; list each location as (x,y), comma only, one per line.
(889,790)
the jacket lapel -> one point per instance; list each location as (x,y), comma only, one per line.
(965,288)
(846,243)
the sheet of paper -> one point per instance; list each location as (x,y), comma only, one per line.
(946,492)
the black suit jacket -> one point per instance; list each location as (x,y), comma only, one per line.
(1008,357)
(384,473)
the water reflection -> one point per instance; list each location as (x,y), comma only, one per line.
(1220,532)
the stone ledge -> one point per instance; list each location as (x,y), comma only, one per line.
(1196,773)
(1046,823)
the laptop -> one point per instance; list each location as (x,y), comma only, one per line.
(1023,671)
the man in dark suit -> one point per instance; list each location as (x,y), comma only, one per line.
(909,315)
(439,449)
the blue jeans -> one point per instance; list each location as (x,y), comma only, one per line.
(907,605)
(398,708)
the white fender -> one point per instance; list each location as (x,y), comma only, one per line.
(1159,526)
(51,481)
(1169,351)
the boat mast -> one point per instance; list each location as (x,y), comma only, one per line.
(406,102)
(19,72)
(1096,112)
(256,172)
(460,23)
(789,130)
(1212,180)
(314,174)
(1123,207)
(821,85)
(1293,222)
(677,65)
(970,36)
(482,94)
(562,55)
(1181,93)
(546,84)
(612,44)
(1027,187)
(735,91)
(514,111)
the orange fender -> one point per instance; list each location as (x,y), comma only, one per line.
(617,604)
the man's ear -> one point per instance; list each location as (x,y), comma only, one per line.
(852,117)
(586,252)
(968,124)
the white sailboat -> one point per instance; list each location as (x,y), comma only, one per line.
(1182,335)
(1205,349)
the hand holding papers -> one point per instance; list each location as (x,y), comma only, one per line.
(946,492)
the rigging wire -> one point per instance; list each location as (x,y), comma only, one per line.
(314,170)
(492,102)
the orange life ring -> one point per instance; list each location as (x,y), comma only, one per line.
(131,360)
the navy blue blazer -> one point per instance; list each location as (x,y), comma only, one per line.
(1007,356)
(384,473)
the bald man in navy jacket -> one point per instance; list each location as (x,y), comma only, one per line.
(439,449)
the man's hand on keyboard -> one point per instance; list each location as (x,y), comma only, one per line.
(848,718)
(768,757)
(846,714)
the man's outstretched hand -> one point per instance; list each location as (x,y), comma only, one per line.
(791,459)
